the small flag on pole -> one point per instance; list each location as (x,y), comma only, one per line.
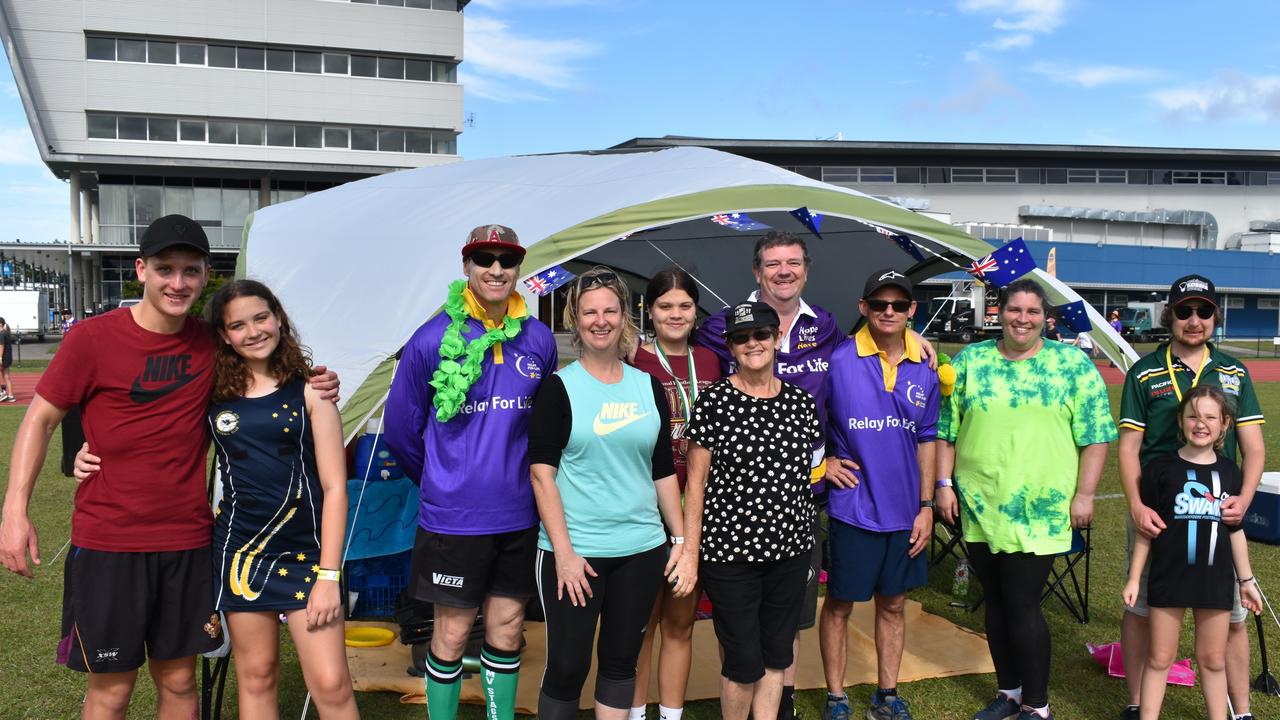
(1075,315)
(810,220)
(547,280)
(738,221)
(902,241)
(1006,264)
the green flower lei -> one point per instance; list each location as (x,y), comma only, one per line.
(452,379)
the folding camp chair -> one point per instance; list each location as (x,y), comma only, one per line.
(947,541)
(1064,583)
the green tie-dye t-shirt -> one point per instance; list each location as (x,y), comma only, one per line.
(1017,426)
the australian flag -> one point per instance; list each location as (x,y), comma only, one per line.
(810,220)
(1006,264)
(738,221)
(1075,316)
(547,280)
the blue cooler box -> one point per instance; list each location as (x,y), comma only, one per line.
(1262,521)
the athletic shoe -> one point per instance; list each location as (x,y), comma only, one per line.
(836,709)
(1131,713)
(1033,715)
(10,398)
(894,709)
(1000,708)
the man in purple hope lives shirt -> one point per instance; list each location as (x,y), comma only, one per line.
(882,405)
(465,438)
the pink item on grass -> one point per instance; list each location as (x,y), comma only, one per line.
(1111,657)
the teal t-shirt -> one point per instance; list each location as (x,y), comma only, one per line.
(605,475)
(1018,427)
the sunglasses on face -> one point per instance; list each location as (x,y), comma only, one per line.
(1183,312)
(759,335)
(486,259)
(600,279)
(899,306)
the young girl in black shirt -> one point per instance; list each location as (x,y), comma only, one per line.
(1191,560)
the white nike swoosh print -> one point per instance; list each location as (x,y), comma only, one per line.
(604,428)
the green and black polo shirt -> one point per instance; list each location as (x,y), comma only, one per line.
(1150,400)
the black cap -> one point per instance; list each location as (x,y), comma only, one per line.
(885,278)
(1193,287)
(749,316)
(172,230)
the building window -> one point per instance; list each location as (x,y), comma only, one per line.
(1265,303)
(905,175)
(223,56)
(966,175)
(280,135)
(249,133)
(1029,176)
(837,174)
(100,48)
(162,129)
(223,133)
(337,137)
(164,53)
(101,126)
(307,136)
(306,62)
(1139,177)
(1076,175)
(250,58)
(1234,303)
(1113,176)
(190,54)
(336,63)
(280,60)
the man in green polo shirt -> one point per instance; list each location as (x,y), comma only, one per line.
(1149,428)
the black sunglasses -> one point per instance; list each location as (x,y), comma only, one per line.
(880,306)
(759,335)
(1183,312)
(486,259)
(587,282)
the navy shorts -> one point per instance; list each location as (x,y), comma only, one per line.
(866,563)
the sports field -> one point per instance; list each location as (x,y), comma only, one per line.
(31,686)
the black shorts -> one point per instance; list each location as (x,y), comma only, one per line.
(460,570)
(756,609)
(120,608)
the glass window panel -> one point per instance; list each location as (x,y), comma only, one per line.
(206,206)
(1257,178)
(191,130)
(877,174)
(115,204)
(1138,177)
(335,63)
(249,58)
(281,60)
(131,50)
(177,200)
(1161,177)
(1055,175)
(100,48)
(132,128)
(364,139)
(417,70)
(966,175)
(1113,176)
(222,132)
(236,206)
(365,2)
(391,68)
(1213,177)
(364,66)
(446,144)
(444,72)
(335,137)
(287,195)
(938,175)
(249,134)
(162,129)
(450,5)
(280,135)
(307,136)
(1002,175)
(306,62)
(117,235)
(190,54)
(1029,176)
(424,4)
(910,175)
(417,142)
(1082,176)
(102,126)
(391,140)
(1186,177)
(164,53)
(148,204)
(222,56)
(398,3)
(839,174)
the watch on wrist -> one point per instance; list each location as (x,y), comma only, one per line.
(926,504)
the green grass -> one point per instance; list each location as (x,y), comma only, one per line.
(32,687)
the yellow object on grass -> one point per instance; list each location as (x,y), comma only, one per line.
(369,636)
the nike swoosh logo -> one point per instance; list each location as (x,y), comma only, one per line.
(604,428)
(140,395)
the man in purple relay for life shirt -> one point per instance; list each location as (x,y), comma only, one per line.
(464,435)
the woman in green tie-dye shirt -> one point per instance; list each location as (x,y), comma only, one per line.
(1025,435)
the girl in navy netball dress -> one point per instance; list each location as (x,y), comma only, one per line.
(279,528)
(1195,562)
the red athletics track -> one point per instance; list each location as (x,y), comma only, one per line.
(24,384)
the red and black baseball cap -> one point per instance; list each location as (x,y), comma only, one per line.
(494,239)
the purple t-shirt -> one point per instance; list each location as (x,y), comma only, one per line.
(473,470)
(879,429)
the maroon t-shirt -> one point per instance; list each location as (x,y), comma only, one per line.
(706,366)
(143,398)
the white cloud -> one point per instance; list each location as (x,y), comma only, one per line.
(501,64)
(986,87)
(1093,75)
(1019,21)
(17,147)
(1228,97)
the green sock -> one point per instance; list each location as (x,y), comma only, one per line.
(444,685)
(499,675)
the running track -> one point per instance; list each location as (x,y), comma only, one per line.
(1264,371)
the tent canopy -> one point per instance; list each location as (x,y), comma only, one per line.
(359,267)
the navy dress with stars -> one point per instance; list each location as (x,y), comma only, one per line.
(266,534)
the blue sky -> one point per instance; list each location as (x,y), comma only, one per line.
(550,75)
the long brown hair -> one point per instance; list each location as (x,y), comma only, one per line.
(1224,407)
(290,359)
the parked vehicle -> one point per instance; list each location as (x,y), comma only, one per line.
(26,312)
(966,314)
(1141,322)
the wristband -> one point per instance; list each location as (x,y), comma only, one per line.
(1247,580)
(677,539)
(944,482)
(323,574)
